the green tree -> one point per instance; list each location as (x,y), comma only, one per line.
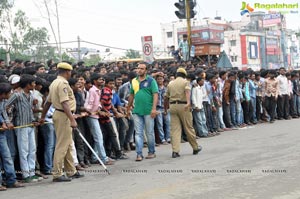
(26,42)
(5,8)
(132,54)
(92,60)
(66,57)
(36,40)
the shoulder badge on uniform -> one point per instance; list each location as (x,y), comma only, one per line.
(65,90)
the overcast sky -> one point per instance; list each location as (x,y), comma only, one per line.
(121,23)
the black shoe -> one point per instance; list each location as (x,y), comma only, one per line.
(175,155)
(88,163)
(76,175)
(95,162)
(195,152)
(62,179)
(47,173)
(122,157)
(127,147)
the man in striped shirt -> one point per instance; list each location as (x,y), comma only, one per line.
(110,135)
(23,102)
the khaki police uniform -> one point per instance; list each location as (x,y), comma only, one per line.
(60,91)
(179,117)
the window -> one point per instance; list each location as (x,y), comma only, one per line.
(169,34)
(233,58)
(232,42)
(253,50)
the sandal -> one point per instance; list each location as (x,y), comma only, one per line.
(2,188)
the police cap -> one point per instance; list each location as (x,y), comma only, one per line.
(181,70)
(64,65)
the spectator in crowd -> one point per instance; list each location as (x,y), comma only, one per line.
(144,92)
(283,95)
(198,109)
(271,94)
(6,161)
(23,104)
(93,106)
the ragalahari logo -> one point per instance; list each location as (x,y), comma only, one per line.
(246,8)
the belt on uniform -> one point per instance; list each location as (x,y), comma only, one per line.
(63,111)
(178,102)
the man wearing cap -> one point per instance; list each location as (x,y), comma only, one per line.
(178,99)
(62,98)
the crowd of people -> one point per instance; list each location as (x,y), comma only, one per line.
(114,105)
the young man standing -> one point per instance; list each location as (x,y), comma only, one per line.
(162,119)
(110,134)
(23,102)
(198,109)
(93,106)
(5,156)
(283,95)
(184,48)
(271,94)
(144,92)
(227,99)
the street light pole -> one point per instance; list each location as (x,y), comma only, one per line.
(78,48)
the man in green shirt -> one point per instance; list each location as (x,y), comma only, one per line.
(144,92)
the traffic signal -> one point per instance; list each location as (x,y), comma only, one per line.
(192,6)
(181,14)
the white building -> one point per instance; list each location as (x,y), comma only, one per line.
(232,47)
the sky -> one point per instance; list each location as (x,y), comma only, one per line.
(121,23)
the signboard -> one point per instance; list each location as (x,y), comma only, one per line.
(207,49)
(204,34)
(272,19)
(147,47)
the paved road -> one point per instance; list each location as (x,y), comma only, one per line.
(259,162)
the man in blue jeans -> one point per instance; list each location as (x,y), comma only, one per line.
(5,156)
(162,119)
(48,134)
(198,109)
(92,105)
(144,91)
(23,102)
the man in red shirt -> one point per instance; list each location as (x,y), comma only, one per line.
(110,136)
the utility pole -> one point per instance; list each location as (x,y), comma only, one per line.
(188,22)
(7,52)
(58,30)
(78,48)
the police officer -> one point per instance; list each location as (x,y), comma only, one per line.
(178,99)
(62,98)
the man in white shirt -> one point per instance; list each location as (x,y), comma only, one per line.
(198,109)
(283,96)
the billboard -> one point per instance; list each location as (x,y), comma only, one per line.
(272,19)
(207,49)
(204,34)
